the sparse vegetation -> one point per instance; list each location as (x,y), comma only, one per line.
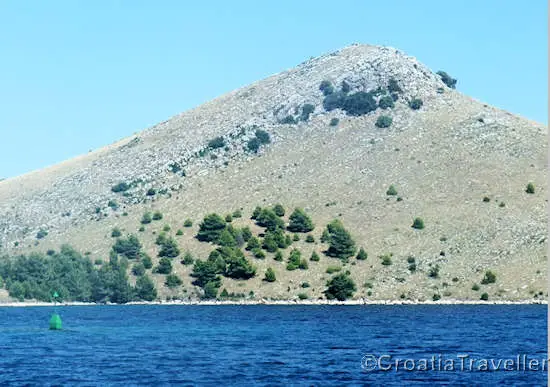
(490,278)
(270,275)
(340,287)
(386,102)
(169,248)
(415,103)
(146,218)
(120,187)
(146,260)
(129,247)
(393,86)
(216,143)
(386,260)
(383,122)
(294,260)
(391,191)
(164,266)
(362,254)
(187,259)
(418,223)
(172,281)
(299,221)
(289,120)
(268,219)
(326,87)
(263,136)
(211,228)
(138,269)
(307,109)
(341,244)
(279,210)
(434,271)
(314,257)
(42,233)
(447,79)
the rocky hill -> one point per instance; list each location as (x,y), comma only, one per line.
(329,136)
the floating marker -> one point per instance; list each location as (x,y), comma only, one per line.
(55,320)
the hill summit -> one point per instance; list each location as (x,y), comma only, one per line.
(431,184)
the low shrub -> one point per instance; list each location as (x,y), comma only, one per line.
(188,223)
(418,224)
(415,103)
(307,109)
(447,79)
(490,278)
(172,281)
(383,122)
(362,254)
(391,191)
(164,266)
(386,102)
(157,215)
(263,136)
(288,120)
(146,218)
(120,187)
(326,87)
(393,86)
(299,221)
(116,232)
(333,269)
(340,287)
(216,143)
(310,238)
(530,188)
(138,269)
(270,275)
(334,122)
(484,297)
(434,271)
(187,259)
(314,257)
(146,260)
(279,210)
(41,234)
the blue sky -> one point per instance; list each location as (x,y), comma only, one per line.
(77,75)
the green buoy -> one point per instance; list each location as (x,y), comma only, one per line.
(55,320)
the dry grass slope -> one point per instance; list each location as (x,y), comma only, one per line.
(443,159)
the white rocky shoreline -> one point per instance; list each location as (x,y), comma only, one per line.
(286,302)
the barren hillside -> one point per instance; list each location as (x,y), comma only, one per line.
(458,164)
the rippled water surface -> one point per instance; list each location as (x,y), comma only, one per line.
(272,345)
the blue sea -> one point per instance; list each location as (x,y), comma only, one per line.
(160,345)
